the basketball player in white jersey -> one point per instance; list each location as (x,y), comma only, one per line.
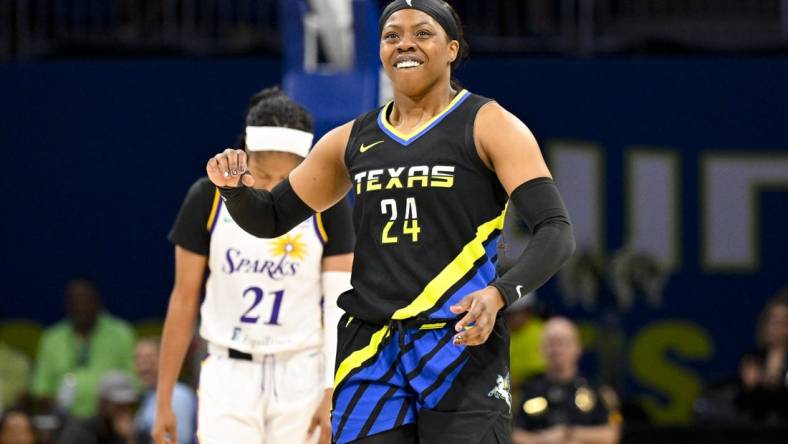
(268,376)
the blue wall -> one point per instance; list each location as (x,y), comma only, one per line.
(102,155)
(97,157)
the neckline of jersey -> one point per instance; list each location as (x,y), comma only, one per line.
(407,139)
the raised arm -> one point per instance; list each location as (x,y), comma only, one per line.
(319,182)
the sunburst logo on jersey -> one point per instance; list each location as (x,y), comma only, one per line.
(289,246)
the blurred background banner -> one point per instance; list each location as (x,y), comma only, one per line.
(665,125)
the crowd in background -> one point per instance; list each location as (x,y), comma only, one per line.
(94,382)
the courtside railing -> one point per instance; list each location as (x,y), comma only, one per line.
(42,28)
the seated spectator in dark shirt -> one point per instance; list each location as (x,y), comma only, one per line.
(763,374)
(560,406)
(16,428)
(114,423)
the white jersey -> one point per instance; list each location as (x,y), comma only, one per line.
(263,296)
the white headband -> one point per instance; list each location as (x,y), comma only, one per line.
(277,138)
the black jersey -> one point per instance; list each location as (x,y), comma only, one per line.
(428,214)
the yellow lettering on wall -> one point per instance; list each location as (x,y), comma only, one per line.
(652,367)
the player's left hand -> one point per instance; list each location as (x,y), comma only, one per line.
(321,419)
(482,307)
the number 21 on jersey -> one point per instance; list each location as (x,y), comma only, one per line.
(251,318)
(410,223)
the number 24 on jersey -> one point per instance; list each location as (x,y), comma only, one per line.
(410,223)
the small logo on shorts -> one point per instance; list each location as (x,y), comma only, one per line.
(409,2)
(502,390)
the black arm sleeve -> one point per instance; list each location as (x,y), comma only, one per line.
(266,214)
(541,207)
(190,229)
(338,222)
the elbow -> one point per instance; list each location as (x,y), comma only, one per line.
(261,231)
(570,245)
(265,231)
(270,234)
(564,241)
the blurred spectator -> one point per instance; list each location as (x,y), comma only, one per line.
(16,428)
(75,353)
(14,375)
(184,402)
(114,422)
(526,329)
(763,374)
(560,406)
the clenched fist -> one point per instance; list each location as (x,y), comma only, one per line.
(228,169)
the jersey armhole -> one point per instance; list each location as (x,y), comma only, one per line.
(470,140)
(357,122)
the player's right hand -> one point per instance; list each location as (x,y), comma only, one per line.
(228,169)
(165,427)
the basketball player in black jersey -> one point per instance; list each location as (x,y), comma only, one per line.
(422,354)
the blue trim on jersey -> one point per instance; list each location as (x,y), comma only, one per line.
(484,275)
(415,136)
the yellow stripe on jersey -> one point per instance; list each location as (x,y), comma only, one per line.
(418,130)
(320,227)
(212,214)
(358,357)
(453,272)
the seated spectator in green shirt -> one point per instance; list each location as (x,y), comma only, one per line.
(75,353)
(14,376)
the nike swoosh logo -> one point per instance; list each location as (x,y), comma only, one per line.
(518,288)
(364,148)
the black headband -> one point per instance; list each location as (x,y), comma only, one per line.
(434,8)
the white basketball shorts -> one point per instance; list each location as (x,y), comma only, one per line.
(267,400)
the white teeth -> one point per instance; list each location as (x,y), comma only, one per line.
(408,64)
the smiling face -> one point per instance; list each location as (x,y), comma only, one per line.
(416,52)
